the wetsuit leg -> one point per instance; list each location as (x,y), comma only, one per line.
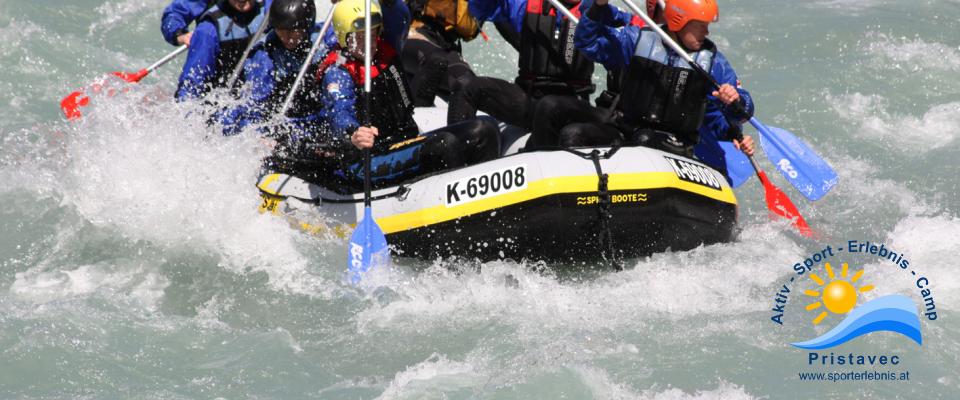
(432,70)
(554,112)
(480,138)
(503,100)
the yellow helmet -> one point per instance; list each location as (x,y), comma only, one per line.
(348,18)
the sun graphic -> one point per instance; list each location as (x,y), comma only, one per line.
(839,296)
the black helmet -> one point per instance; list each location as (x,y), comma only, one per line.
(293,14)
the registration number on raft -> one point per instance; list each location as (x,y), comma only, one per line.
(486,185)
(693,173)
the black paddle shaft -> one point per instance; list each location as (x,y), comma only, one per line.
(366,152)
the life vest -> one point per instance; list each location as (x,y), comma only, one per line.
(286,66)
(661,91)
(549,61)
(391,104)
(234,32)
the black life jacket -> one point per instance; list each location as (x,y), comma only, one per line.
(663,92)
(234,31)
(391,104)
(549,61)
(286,66)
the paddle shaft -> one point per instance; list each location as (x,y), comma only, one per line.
(566,11)
(306,64)
(246,52)
(167,58)
(366,100)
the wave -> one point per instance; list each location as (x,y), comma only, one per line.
(936,128)
(894,313)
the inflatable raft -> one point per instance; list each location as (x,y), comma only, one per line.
(561,204)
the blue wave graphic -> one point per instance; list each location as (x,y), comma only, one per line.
(894,313)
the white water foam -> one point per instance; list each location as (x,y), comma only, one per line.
(130,282)
(603,387)
(153,174)
(936,128)
(114,14)
(930,243)
(431,378)
(713,282)
(849,5)
(910,54)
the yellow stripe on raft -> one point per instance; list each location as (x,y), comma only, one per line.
(265,183)
(546,187)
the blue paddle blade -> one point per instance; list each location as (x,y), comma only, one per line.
(368,248)
(796,161)
(738,166)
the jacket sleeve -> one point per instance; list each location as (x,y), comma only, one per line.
(511,11)
(396,22)
(258,74)
(722,120)
(599,41)
(339,102)
(201,63)
(177,17)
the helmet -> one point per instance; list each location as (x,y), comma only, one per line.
(679,12)
(293,14)
(348,18)
(652,7)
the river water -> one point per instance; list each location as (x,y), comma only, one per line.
(133,263)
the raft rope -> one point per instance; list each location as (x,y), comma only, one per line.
(604,234)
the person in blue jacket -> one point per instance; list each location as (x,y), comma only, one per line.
(270,73)
(176,19)
(385,125)
(217,45)
(664,103)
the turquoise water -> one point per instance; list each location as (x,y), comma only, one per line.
(133,263)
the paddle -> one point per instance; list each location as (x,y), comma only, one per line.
(777,201)
(71,104)
(306,64)
(797,162)
(368,245)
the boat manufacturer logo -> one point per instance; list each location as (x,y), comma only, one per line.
(488,184)
(694,173)
(787,168)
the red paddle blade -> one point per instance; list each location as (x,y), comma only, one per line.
(780,204)
(72,103)
(133,77)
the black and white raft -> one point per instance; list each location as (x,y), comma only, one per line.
(562,204)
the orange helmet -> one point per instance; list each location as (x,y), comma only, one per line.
(679,12)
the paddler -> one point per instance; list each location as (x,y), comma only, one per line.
(217,44)
(664,103)
(548,64)
(272,68)
(176,19)
(432,55)
(399,151)
(553,112)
